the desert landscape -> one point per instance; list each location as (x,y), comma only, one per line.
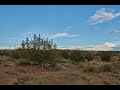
(62,71)
(60,45)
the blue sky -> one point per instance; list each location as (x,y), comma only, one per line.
(92,27)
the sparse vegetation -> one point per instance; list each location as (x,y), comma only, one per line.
(41,55)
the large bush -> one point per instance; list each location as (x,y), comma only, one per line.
(77,56)
(38,49)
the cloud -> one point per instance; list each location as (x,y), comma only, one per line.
(61,47)
(60,35)
(72,35)
(68,28)
(63,35)
(107,46)
(115,32)
(103,15)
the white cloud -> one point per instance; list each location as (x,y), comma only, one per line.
(72,35)
(60,35)
(61,47)
(107,46)
(103,15)
(115,32)
(68,28)
(63,35)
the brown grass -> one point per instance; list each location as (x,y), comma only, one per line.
(80,73)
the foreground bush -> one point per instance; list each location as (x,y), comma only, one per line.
(77,56)
(37,56)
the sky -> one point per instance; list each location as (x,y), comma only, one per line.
(87,27)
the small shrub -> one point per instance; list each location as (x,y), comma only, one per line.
(106,56)
(89,69)
(89,56)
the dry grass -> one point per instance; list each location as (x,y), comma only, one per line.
(80,73)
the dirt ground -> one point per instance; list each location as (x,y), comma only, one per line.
(12,74)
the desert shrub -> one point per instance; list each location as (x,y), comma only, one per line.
(89,56)
(38,50)
(106,68)
(106,56)
(37,56)
(65,54)
(77,56)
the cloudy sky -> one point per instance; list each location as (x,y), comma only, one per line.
(88,27)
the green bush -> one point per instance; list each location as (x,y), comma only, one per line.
(89,56)
(65,54)
(77,56)
(37,56)
(106,56)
